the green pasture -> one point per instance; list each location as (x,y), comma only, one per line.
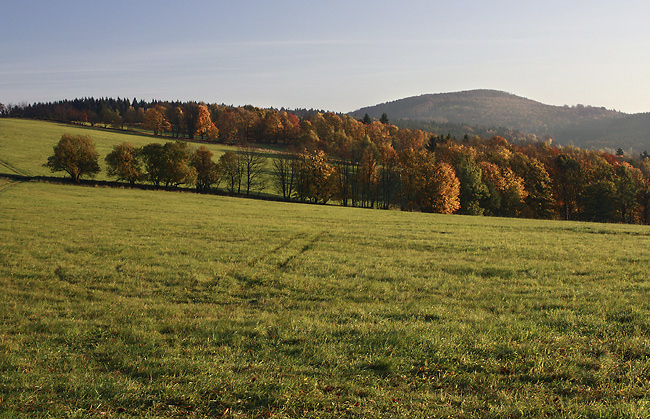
(26,144)
(128,303)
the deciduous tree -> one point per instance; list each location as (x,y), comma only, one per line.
(177,169)
(253,166)
(153,159)
(389,178)
(207,171)
(428,186)
(538,184)
(204,125)
(154,119)
(231,169)
(506,190)
(124,164)
(75,155)
(569,183)
(317,178)
(285,174)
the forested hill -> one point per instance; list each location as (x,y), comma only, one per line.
(583,126)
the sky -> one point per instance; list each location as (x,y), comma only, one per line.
(329,54)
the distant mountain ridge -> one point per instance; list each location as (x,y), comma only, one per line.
(583,126)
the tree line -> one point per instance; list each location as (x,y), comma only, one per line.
(335,158)
(472,176)
(334,133)
(163,165)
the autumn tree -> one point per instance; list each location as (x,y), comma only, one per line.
(111,117)
(153,160)
(380,134)
(416,171)
(155,120)
(290,127)
(235,124)
(309,139)
(447,190)
(272,126)
(428,186)
(124,164)
(506,190)
(317,177)
(204,125)
(405,139)
(177,169)
(207,171)
(538,184)
(132,116)
(75,155)
(176,120)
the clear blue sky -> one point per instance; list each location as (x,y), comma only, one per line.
(328,54)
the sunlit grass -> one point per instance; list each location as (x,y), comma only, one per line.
(149,304)
(26,144)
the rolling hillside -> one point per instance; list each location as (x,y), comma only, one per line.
(583,126)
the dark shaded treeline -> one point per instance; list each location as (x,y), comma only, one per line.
(334,157)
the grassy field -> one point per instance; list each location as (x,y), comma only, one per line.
(25,145)
(129,303)
(140,303)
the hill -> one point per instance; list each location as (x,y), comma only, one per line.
(583,126)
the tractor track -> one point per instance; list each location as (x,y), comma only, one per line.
(13,168)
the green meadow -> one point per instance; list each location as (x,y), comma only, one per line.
(130,303)
(26,144)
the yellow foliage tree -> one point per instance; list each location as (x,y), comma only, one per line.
(154,119)
(204,125)
(509,187)
(317,178)
(428,186)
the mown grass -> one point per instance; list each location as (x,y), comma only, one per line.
(128,303)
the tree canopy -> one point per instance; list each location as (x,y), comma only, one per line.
(75,155)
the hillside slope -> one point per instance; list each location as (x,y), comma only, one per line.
(584,126)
